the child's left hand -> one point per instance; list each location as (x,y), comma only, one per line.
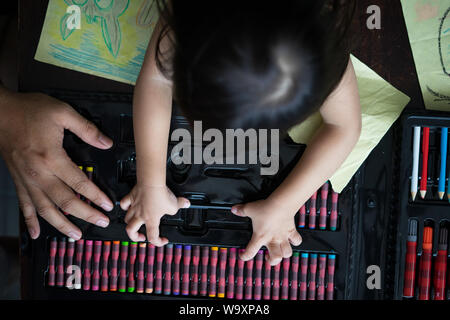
(273,227)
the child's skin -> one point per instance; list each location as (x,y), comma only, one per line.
(272,218)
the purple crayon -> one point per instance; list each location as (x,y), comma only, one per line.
(186,266)
(176,269)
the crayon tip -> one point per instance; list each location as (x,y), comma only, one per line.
(423,193)
(212,295)
(90,169)
(130,289)
(148,290)
(413,195)
(139,291)
(441,195)
(221,295)
(122,290)
(333,228)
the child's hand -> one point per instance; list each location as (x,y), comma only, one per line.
(146,205)
(273,227)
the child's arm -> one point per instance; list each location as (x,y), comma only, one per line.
(273,218)
(150,199)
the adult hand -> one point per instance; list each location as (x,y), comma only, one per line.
(31,143)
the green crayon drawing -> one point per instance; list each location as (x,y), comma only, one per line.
(104,12)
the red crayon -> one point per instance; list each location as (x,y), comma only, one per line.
(195,263)
(312,211)
(79,261)
(140,268)
(204,271)
(334,212)
(87,265)
(231,265)
(222,272)
(440,266)
(186,266)
(285,280)
(410,263)
(321,279)
(60,262)
(123,266)
(70,253)
(131,279)
(425,264)
(96,265)
(213,272)
(294,282)
(258,275)
(323,206)
(276,282)
(312,277)
(176,269)
(304,275)
(158,272)
(249,280)
(425,147)
(240,277)
(331,269)
(168,269)
(114,265)
(150,263)
(267,278)
(51,268)
(302,217)
(105,258)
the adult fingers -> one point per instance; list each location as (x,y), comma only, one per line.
(28,210)
(132,229)
(256,242)
(275,254)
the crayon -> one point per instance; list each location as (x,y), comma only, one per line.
(312,276)
(204,271)
(123,266)
(330,283)
(276,282)
(105,258)
(186,266)
(323,206)
(334,212)
(79,261)
(321,279)
(258,275)
(90,174)
(51,267)
(440,266)
(176,269)
(131,279)
(150,263)
(441,187)
(69,255)
(267,278)
(240,277)
(303,275)
(60,262)
(425,148)
(425,264)
(302,217)
(410,263)
(415,167)
(222,272)
(195,263)
(96,265)
(114,265)
(213,271)
(140,268)
(312,211)
(285,280)
(249,279)
(87,265)
(158,272)
(231,265)
(168,269)
(294,279)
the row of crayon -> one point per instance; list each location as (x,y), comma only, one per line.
(324,214)
(425,157)
(431,283)
(188,270)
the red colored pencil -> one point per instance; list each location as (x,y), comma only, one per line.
(425,148)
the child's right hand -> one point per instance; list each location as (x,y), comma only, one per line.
(146,205)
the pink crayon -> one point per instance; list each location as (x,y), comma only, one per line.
(321,280)
(87,265)
(213,272)
(312,277)
(267,279)
(303,275)
(51,268)
(334,213)
(150,263)
(60,262)
(140,268)
(285,281)
(105,258)
(195,264)
(96,265)
(323,206)
(294,282)
(302,217)
(312,211)
(176,270)
(258,275)
(168,271)
(231,265)
(249,280)
(222,272)
(186,265)
(240,277)
(204,271)
(276,282)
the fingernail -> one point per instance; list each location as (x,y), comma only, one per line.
(102,223)
(187,204)
(104,141)
(106,206)
(234,210)
(75,235)
(32,233)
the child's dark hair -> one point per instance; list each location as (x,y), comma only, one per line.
(259,64)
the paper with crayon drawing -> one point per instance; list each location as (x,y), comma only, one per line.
(381,105)
(111,40)
(428,24)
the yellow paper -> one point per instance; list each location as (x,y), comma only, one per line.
(381,105)
(111,42)
(428,24)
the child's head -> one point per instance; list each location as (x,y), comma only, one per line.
(260,64)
